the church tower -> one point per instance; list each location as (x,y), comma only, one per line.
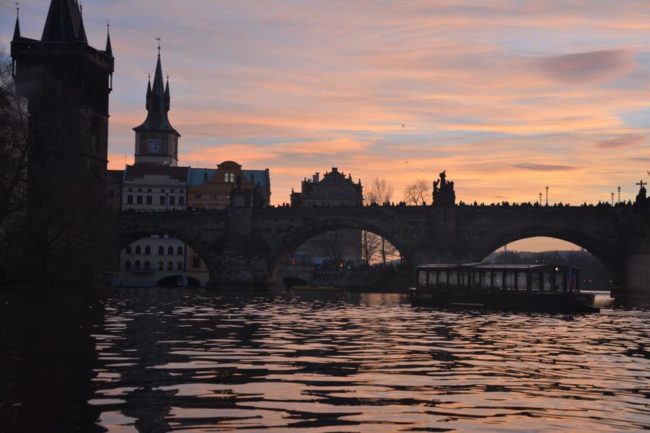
(156,141)
(66,83)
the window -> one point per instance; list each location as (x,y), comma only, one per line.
(129,199)
(179,266)
(161,266)
(137,265)
(179,251)
(170,266)
(170,251)
(161,250)
(147,265)
(149,199)
(147,249)
(128,249)
(127,265)
(162,199)
(139,199)
(181,201)
(196,263)
(172,201)
(138,249)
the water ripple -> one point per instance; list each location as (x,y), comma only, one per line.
(194,361)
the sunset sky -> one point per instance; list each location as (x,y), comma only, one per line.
(507,96)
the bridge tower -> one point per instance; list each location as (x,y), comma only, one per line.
(156,140)
(66,83)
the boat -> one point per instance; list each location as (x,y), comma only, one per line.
(540,287)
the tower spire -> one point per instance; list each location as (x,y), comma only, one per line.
(17,28)
(64,23)
(109,47)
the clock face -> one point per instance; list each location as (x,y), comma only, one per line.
(154,145)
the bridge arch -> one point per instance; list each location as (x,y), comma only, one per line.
(289,243)
(605,253)
(128,234)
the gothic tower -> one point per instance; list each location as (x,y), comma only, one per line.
(66,83)
(156,141)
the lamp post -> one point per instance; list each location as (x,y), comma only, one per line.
(619,193)
(540,198)
(546,195)
(612,199)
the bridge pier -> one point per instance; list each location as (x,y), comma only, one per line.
(636,276)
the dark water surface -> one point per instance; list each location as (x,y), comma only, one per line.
(195,361)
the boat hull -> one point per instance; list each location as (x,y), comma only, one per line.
(514,301)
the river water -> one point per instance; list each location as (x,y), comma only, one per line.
(197,361)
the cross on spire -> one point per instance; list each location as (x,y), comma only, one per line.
(641,183)
(158,39)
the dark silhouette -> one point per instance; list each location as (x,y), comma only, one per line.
(443,192)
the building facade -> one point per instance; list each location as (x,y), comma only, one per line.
(333,190)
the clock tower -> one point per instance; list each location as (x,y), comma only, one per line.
(156,141)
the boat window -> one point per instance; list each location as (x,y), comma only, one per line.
(510,280)
(422,278)
(546,282)
(453,278)
(476,278)
(559,281)
(534,281)
(442,278)
(498,280)
(464,278)
(432,279)
(487,280)
(522,280)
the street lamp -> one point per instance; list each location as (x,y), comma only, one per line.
(619,193)
(546,195)
(612,199)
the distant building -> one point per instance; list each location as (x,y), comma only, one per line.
(154,188)
(228,185)
(333,190)
(155,183)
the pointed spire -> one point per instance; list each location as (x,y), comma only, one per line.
(167,95)
(158,101)
(109,47)
(17,28)
(64,23)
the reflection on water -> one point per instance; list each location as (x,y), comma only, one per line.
(175,360)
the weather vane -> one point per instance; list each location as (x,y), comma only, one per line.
(158,39)
(17,8)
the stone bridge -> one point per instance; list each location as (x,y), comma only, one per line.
(247,246)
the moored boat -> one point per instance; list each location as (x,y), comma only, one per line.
(552,288)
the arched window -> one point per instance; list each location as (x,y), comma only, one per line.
(179,251)
(161,265)
(170,251)
(128,249)
(137,265)
(170,266)
(147,265)
(147,249)
(161,250)
(138,249)
(179,266)
(127,265)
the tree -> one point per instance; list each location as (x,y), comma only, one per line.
(380,192)
(13,165)
(375,247)
(416,192)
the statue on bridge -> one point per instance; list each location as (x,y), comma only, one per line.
(641,198)
(443,191)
